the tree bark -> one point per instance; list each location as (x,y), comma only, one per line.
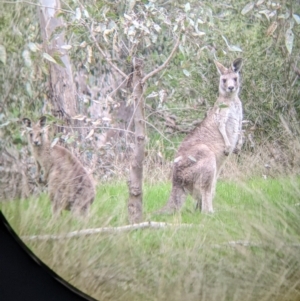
(61,83)
(135,182)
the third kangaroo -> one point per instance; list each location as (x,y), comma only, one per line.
(205,149)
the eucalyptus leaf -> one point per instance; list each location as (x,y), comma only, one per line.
(232,47)
(28,89)
(177,159)
(152,95)
(153,37)
(131,4)
(272,14)
(78,13)
(181,48)
(49,58)
(266,13)
(66,47)
(145,29)
(90,134)
(186,72)
(247,8)
(27,58)
(187,7)
(272,28)
(33,47)
(289,40)
(283,16)
(44,69)
(147,41)
(157,27)
(259,2)
(2,54)
(4,124)
(83,44)
(79,117)
(235,48)
(127,17)
(131,31)
(86,13)
(296,18)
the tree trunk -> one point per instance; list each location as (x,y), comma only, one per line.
(135,182)
(61,84)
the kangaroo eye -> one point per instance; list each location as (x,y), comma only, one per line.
(40,134)
(30,134)
(235,79)
(224,80)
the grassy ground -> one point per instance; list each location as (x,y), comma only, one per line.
(195,263)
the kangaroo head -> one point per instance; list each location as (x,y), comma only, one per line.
(37,133)
(229,77)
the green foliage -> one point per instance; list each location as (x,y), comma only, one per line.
(22,85)
(263,33)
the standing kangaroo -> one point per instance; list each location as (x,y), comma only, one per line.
(204,150)
(69,185)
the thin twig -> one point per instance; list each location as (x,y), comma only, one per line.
(116,89)
(165,64)
(167,120)
(162,135)
(106,57)
(97,127)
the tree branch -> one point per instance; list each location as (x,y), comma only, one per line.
(86,232)
(106,57)
(170,122)
(165,64)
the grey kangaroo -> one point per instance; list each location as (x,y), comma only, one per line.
(70,187)
(204,150)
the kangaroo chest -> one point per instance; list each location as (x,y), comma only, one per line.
(233,122)
(43,157)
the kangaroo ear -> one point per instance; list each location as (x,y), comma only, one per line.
(42,121)
(237,65)
(26,122)
(221,69)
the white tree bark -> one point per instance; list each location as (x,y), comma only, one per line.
(61,83)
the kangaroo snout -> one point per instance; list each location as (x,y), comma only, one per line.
(231,88)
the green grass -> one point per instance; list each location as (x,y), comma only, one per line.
(194,263)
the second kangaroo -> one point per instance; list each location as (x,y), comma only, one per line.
(203,151)
(69,185)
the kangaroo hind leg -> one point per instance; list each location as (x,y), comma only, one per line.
(204,186)
(176,200)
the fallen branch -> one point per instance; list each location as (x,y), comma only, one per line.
(86,232)
(146,225)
